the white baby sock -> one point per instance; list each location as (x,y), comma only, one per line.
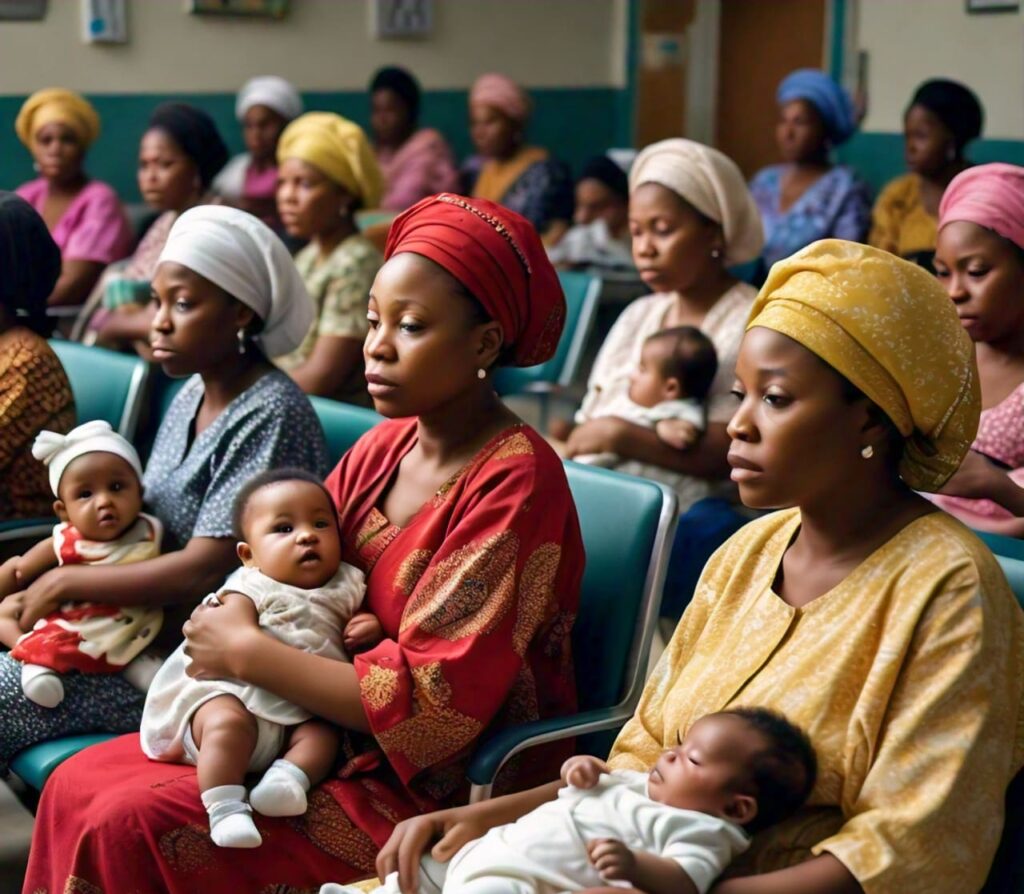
(281,791)
(41,685)
(141,670)
(231,822)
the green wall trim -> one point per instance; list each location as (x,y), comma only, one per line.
(837,40)
(574,122)
(878,157)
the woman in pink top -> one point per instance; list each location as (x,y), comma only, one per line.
(84,216)
(415,163)
(979,257)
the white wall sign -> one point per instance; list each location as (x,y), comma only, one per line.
(395,19)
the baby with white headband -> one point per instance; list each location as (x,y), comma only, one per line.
(95,474)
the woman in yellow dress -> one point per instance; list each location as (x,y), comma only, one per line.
(882,627)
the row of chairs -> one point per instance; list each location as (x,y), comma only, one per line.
(627,524)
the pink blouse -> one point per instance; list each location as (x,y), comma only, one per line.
(1001,437)
(94,226)
(421,166)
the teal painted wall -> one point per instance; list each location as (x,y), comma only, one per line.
(879,156)
(574,122)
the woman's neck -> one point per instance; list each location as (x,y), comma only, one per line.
(1006,351)
(456,430)
(70,186)
(224,382)
(397,141)
(942,178)
(700,297)
(327,241)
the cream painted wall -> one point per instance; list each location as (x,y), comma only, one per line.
(322,45)
(909,41)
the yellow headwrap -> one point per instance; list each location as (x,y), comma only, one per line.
(338,148)
(889,327)
(56,104)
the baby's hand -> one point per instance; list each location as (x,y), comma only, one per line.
(583,770)
(612,859)
(677,433)
(361,632)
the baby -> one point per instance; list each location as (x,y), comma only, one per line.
(669,831)
(677,367)
(302,593)
(95,474)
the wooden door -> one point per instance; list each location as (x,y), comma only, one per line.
(760,42)
(661,72)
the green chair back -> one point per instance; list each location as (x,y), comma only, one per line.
(343,424)
(582,293)
(106,385)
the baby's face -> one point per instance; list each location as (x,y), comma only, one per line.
(100,494)
(291,529)
(709,768)
(647,385)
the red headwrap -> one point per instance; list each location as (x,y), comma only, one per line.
(498,256)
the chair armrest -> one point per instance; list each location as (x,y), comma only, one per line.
(491,754)
(19,528)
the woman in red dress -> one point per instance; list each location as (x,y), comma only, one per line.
(462,519)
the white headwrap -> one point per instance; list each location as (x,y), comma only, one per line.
(712,183)
(270,91)
(58,451)
(242,255)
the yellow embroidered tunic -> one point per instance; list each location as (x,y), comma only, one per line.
(907,676)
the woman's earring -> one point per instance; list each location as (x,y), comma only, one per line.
(716,253)
(867,452)
(481,373)
(240,335)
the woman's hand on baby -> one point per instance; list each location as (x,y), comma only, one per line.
(596,436)
(217,638)
(45,595)
(583,770)
(612,859)
(361,632)
(451,829)
(677,433)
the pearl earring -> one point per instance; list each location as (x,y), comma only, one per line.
(240,335)
(867,452)
(716,253)
(481,373)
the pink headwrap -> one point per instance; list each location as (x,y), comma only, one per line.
(991,196)
(502,93)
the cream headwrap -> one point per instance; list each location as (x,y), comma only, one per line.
(271,91)
(242,255)
(711,182)
(337,147)
(58,451)
(57,104)
(889,327)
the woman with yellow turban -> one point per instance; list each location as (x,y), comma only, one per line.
(84,216)
(882,627)
(326,172)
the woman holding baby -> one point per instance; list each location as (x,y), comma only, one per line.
(473,578)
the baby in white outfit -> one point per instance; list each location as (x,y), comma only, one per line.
(304,595)
(671,830)
(677,367)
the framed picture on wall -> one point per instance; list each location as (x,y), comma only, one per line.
(274,9)
(975,6)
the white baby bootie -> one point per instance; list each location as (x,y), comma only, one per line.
(41,685)
(231,822)
(281,791)
(141,670)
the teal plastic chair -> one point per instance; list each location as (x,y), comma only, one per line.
(628,525)
(105,385)
(34,765)
(582,295)
(343,424)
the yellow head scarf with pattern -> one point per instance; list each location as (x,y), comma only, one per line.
(57,104)
(889,327)
(338,148)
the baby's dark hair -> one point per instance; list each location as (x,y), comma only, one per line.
(692,359)
(265,479)
(783,773)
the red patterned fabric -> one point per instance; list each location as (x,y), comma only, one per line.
(498,256)
(476,595)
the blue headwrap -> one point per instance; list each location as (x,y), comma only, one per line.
(832,101)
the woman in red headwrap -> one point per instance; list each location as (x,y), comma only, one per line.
(472,578)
